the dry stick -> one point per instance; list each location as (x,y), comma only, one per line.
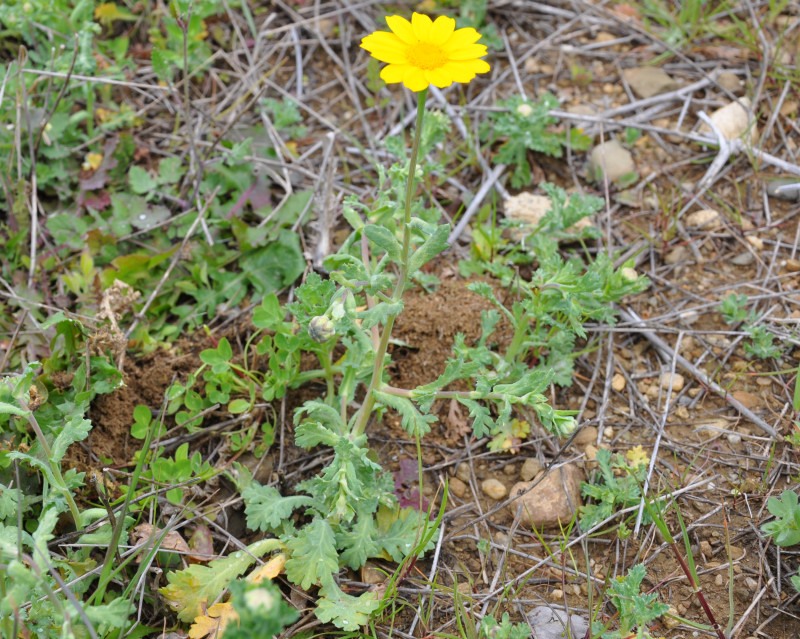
(490,182)
(172,265)
(666,351)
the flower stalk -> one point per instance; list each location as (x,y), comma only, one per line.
(376,380)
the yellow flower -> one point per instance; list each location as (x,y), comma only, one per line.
(424,52)
(637,457)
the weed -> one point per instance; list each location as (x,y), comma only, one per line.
(785,529)
(522,126)
(635,609)
(761,343)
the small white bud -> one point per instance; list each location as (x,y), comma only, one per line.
(629,274)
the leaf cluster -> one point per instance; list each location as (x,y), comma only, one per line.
(617,486)
(785,528)
(635,609)
(522,126)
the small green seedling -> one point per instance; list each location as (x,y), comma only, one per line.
(785,528)
(635,609)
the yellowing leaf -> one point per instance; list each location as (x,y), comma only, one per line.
(213,623)
(108,13)
(269,570)
(637,457)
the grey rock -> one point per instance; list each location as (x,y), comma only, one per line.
(612,161)
(556,623)
(784,189)
(649,81)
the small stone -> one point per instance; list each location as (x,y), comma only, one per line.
(792,266)
(510,469)
(705,549)
(463,472)
(784,189)
(718,580)
(682,413)
(590,451)
(748,400)
(618,382)
(611,161)
(679,254)
(751,584)
(675,380)
(530,468)
(500,538)
(493,488)
(733,121)
(734,438)
(756,242)
(608,432)
(552,500)
(704,219)
(670,619)
(372,574)
(464,588)
(586,435)
(649,81)
(744,259)
(527,207)
(457,487)
(604,36)
(729,81)
(553,622)
(556,595)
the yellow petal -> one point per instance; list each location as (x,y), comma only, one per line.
(470,52)
(414,79)
(461,71)
(461,38)
(422,26)
(439,78)
(386,47)
(442,29)
(394,73)
(402,29)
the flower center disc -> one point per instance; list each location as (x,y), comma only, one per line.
(426,56)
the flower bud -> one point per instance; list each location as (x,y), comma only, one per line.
(525,110)
(629,274)
(321,328)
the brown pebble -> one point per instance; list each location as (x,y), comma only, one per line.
(493,488)
(530,468)
(457,487)
(586,435)
(618,382)
(463,472)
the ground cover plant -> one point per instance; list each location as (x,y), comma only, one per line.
(336,319)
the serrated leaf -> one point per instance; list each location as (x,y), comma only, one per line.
(414,422)
(310,434)
(358,541)
(383,238)
(344,611)
(323,413)
(75,429)
(482,422)
(380,314)
(313,554)
(190,590)
(267,509)
(431,247)
(114,614)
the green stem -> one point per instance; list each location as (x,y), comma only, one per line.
(402,277)
(324,357)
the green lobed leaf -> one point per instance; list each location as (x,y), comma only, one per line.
(313,554)
(414,422)
(267,509)
(344,611)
